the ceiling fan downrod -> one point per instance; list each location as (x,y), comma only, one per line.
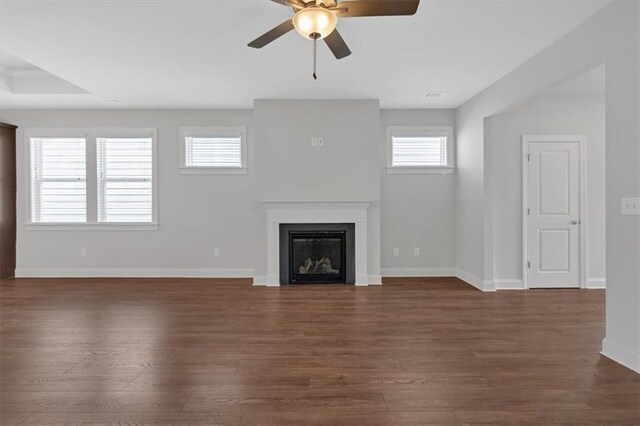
(315,37)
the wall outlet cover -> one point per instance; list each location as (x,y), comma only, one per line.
(630,206)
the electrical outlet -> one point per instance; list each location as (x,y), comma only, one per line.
(631,206)
(320,141)
(416,251)
(314,142)
(396,251)
(216,252)
(83,252)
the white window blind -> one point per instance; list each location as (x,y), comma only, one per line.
(419,151)
(125,180)
(213,151)
(58,180)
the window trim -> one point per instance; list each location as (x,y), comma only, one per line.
(91,136)
(186,132)
(428,131)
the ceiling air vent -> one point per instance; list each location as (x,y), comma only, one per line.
(434,95)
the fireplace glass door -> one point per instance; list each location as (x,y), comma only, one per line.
(317,257)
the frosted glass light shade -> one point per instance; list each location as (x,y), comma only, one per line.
(315,20)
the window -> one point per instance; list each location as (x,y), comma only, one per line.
(219,150)
(98,178)
(125,180)
(58,180)
(419,150)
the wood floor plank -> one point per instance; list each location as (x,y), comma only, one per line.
(207,352)
(64,382)
(137,419)
(442,418)
(483,399)
(13,419)
(547,417)
(198,381)
(288,400)
(93,402)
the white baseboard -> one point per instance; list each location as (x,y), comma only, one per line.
(621,355)
(132,273)
(374,279)
(518,284)
(362,280)
(266,281)
(508,284)
(477,282)
(595,283)
(418,272)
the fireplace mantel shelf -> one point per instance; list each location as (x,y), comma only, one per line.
(317,203)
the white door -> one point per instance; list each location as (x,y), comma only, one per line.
(552,212)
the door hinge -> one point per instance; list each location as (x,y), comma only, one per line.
(528,211)
(528,264)
(528,157)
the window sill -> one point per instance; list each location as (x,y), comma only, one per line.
(421,170)
(91,226)
(213,170)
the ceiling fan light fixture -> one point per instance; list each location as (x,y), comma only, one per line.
(315,22)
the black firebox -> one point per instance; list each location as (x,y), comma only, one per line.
(317,254)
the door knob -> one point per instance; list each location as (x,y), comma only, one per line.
(575,222)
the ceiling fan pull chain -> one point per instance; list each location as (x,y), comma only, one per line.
(315,57)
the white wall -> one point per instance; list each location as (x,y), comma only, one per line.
(198,213)
(288,168)
(553,113)
(611,38)
(418,210)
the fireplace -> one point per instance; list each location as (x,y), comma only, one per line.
(317,253)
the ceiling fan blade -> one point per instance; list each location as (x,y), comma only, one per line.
(351,9)
(296,4)
(337,45)
(270,36)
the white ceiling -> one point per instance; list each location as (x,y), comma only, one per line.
(193,53)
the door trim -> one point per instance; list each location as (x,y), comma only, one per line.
(582,193)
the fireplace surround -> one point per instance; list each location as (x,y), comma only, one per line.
(317,253)
(316,212)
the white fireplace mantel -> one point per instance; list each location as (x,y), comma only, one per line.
(317,211)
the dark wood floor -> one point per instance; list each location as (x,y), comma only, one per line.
(207,352)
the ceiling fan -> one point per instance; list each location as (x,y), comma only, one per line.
(317,20)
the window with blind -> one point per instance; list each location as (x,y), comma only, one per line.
(213,150)
(99,177)
(419,150)
(125,172)
(58,180)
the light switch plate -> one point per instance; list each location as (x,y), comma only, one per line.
(314,142)
(630,206)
